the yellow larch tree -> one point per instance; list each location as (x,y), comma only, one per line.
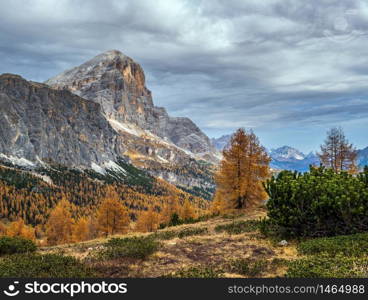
(243,169)
(112,215)
(60,224)
(168,210)
(148,221)
(187,212)
(3,229)
(19,228)
(81,230)
(219,206)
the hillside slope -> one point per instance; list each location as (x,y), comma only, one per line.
(31,192)
(205,246)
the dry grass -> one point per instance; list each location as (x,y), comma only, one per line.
(208,249)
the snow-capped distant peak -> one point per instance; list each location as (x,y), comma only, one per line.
(287,153)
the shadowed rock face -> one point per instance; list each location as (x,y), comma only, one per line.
(37,122)
(118,83)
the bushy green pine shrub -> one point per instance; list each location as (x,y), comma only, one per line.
(347,245)
(170,234)
(133,247)
(324,266)
(318,203)
(43,266)
(12,245)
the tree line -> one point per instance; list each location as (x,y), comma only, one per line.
(244,168)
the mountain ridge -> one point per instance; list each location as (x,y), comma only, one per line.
(99,113)
(117,82)
(289,158)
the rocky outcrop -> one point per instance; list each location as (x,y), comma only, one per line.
(118,83)
(94,114)
(38,123)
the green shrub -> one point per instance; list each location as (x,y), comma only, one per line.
(170,234)
(328,267)
(270,229)
(12,245)
(43,266)
(175,220)
(191,231)
(133,247)
(318,203)
(197,272)
(347,245)
(238,227)
(249,267)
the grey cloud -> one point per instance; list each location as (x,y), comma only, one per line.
(225,64)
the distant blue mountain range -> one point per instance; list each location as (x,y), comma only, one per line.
(288,158)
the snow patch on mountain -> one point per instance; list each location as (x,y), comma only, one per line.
(98,169)
(19,161)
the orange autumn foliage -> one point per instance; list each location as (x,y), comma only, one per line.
(187,212)
(148,221)
(19,228)
(112,215)
(243,169)
(81,230)
(60,224)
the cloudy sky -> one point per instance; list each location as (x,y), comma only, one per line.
(287,69)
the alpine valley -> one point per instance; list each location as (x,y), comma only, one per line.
(96,125)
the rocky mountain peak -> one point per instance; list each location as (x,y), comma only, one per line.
(113,80)
(117,82)
(287,153)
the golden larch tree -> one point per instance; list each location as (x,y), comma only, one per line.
(59,225)
(3,229)
(170,208)
(242,171)
(219,206)
(81,230)
(112,215)
(19,228)
(148,221)
(187,212)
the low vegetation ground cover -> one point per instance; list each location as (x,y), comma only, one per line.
(197,272)
(238,227)
(198,250)
(12,245)
(130,247)
(43,266)
(347,245)
(320,266)
(170,234)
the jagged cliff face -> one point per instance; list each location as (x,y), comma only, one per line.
(92,115)
(118,83)
(42,124)
(114,81)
